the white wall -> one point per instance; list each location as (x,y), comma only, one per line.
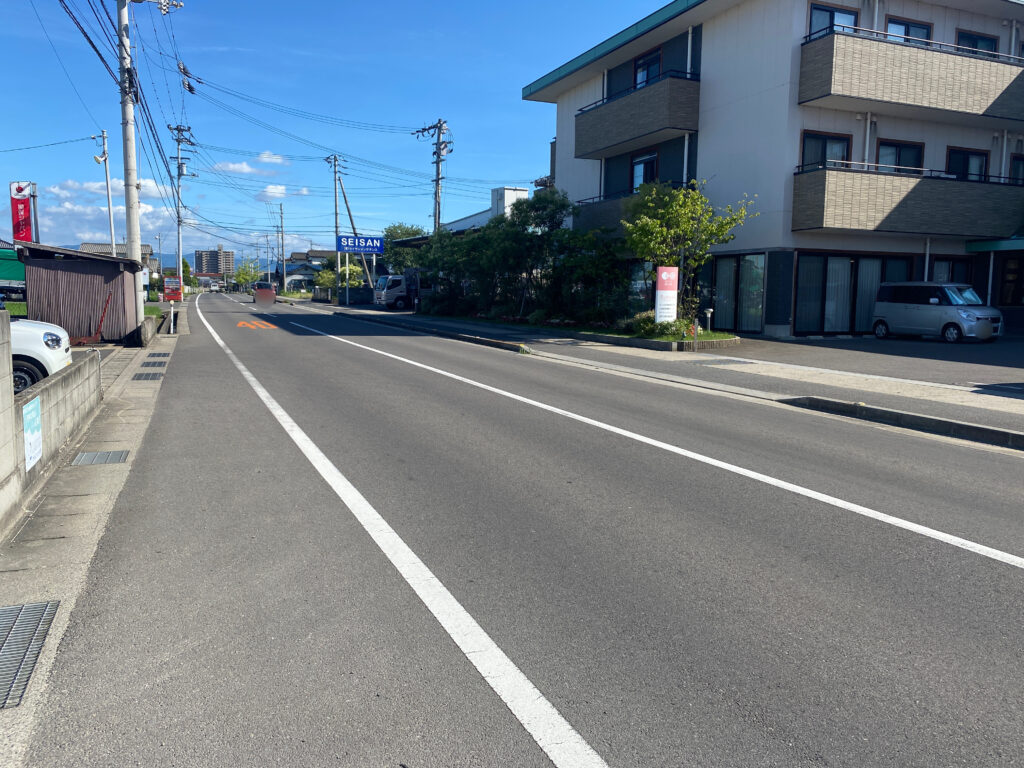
(579,179)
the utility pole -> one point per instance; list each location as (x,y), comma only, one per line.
(443,145)
(352,221)
(105,159)
(333,160)
(133,243)
(180,138)
(284,261)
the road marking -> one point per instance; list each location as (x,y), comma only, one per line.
(897,522)
(256,325)
(551,731)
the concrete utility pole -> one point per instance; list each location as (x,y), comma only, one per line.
(333,160)
(284,261)
(133,240)
(443,145)
(180,138)
(352,222)
(105,159)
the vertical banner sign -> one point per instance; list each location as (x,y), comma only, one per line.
(666,295)
(31,419)
(21,210)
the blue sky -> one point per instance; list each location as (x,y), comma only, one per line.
(399,65)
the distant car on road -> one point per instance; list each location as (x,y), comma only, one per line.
(38,350)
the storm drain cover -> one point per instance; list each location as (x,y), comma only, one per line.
(147,376)
(154,364)
(159,354)
(23,629)
(100,457)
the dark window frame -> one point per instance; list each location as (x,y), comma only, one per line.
(632,166)
(832,7)
(977,51)
(1015,158)
(643,57)
(971,151)
(829,135)
(899,143)
(903,20)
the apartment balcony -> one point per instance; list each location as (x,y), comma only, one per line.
(844,197)
(602,213)
(640,117)
(861,70)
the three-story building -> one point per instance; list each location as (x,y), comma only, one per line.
(884,140)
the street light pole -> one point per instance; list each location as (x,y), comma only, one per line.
(105,159)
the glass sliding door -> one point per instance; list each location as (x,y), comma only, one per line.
(869,277)
(751,294)
(725,294)
(838,294)
(810,276)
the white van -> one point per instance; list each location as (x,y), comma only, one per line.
(951,310)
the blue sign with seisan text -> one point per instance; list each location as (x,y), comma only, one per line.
(356,244)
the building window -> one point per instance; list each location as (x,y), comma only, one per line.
(645,169)
(647,68)
(900,156)
(823,150)
(967,164)
(826,19)
(982,44)
(1017,169)
(903,31)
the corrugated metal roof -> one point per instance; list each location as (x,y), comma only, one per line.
(41,251)
(121,249)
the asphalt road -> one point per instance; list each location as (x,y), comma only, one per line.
(683,578)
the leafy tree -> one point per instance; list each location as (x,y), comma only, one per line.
(247,272)
(397,258)
(186,275)
(671,226)
(327,278)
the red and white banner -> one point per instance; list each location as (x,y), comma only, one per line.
(666,294)
(21,210)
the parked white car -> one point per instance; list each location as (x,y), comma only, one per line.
(38,350)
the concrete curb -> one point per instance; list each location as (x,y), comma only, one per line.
(907,420)
(963,430)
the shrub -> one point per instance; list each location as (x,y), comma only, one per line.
(537,317)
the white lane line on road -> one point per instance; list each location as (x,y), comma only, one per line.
(552,732)
(897,522)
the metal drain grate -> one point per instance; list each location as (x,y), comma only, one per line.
(147,377)
(154,363)
(100,457)
(159,354)
(23,629)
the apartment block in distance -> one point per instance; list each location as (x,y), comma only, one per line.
(218,262)
(884,140)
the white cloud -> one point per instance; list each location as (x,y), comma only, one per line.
(303,192)
(148,189)
(242,167)
(271,159)
(272,192)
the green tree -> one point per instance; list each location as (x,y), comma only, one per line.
(670,226)
(397,258)
(327,278)
(186,275)
(247,272)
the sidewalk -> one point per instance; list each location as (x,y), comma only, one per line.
(48,556)
(908,385)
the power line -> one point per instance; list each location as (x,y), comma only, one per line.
(54,144)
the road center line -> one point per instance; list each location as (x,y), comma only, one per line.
(551,731)
(897,522)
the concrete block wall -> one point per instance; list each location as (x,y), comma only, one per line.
(67,400)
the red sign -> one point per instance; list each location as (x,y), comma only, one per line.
(668,279)
(21,210)
(666,295)
(172,289)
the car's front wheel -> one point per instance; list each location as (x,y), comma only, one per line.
(952,333)
(881,330)
(400,303)
(25,375)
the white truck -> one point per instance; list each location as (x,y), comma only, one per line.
(402,291)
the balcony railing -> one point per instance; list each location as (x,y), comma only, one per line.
(672,73)
(918,42)
(907,170)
